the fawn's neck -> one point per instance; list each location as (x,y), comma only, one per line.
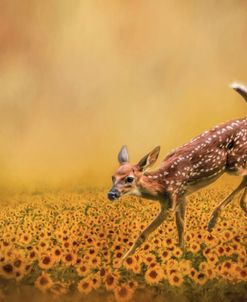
(151,185)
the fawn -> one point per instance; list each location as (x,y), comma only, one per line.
(222,149)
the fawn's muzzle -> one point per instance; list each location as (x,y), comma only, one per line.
(113,194)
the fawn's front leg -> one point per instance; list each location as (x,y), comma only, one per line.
(148,230)
(180,215)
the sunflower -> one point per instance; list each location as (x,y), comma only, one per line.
(177,252)
(43,245)
(32,255)
(25,238)
(242,260)
(212,258)
(170,270)
(19,274)
(175,279)
(83,270)
(172,264)
(227,268)
(19,263)
(116,247)
(210,240)
(149,258)
(243,274)
(95,261)
(107,259)
(46,262)
(157,243)
(165,255)
(103,272)
(185,266)
(111,281)
(96,280)
(92,252)
(204,265)
(194,247)
(133,284)
(200,278)
(228,250)
(56,253)
(210,273)
(154,275)
(169,243)
(9,253)
(43,282)
(117,260)
(85,286)
(192,273)
(123,293)
(206,251)
(69,258)
(227,235)
(146,247)
(220,250)
(136,268)
(130,262)
(218,269)
(7,270)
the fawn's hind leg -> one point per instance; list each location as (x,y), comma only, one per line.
(243,201)
(180,214)
(225,202)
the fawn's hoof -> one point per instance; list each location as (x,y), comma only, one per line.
(211,224)
(182,246)
(213,220)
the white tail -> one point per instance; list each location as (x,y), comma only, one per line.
(240,88)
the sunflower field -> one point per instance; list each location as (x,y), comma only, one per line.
(68,246)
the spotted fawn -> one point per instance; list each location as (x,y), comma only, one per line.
(222,149)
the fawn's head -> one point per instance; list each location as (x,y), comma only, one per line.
(126,178)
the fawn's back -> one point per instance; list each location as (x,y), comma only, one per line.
(207,156)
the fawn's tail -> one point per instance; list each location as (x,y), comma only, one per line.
(240,88)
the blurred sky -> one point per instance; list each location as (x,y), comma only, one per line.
(78,79)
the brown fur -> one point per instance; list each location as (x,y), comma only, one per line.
(222,149)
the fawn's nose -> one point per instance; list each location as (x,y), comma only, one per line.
(113,194)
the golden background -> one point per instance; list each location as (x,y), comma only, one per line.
(78,79)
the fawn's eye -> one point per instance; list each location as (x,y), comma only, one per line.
(129,179)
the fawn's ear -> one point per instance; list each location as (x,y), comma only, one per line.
(123,155)
(149,159)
